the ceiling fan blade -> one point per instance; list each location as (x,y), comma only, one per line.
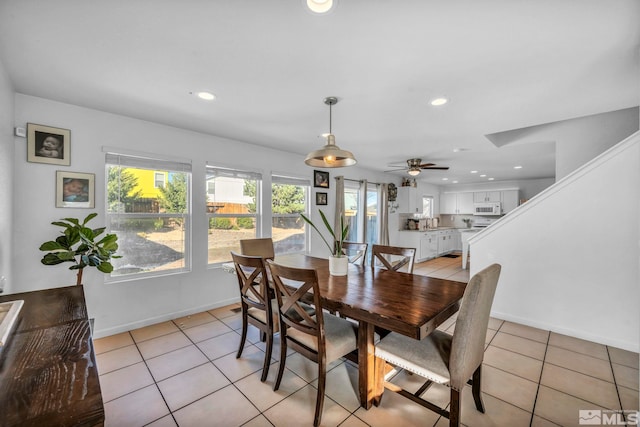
(443,168)
(425,165)
(394,170)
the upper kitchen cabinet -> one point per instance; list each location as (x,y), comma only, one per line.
(408,200)
(487,196)
(510,199)
(456,203)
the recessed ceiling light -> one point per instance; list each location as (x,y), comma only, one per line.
(482,176)
(455,182)
(207,96)
(517,167)
(445,179)
(320,6)
(439,101)
(457,150)
(490,179)
(474,171)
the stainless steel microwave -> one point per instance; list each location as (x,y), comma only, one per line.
(487,208)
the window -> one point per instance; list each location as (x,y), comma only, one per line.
(159,179)
(351,209)
(289,198)
(152,224)
(233,210)
(427,206)
(357,207)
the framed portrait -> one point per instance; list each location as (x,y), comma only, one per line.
(321,198)
(46,144)
(320,179)
(75,190)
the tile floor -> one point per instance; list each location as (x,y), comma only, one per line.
(184,372)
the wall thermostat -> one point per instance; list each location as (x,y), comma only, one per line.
(21,132)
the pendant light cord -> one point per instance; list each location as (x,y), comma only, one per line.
(330,130)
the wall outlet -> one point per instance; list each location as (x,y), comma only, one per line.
(22,132)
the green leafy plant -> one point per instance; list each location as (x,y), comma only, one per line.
(78,245)
(338,239)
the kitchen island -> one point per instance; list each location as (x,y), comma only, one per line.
(466,234)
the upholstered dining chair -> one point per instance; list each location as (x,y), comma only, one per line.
(355,251)
(393,258)
(442,358)
(258,247)
(321,338)
(257,307)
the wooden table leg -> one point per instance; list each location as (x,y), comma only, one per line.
(366,364)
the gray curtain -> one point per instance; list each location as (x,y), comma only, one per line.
(383,217)
(339,203)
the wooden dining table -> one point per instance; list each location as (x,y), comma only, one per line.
(408,304)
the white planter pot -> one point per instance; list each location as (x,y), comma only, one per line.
(338,266)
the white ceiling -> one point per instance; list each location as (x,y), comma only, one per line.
(504,65)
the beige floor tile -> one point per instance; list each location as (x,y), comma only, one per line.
(251,361)
(395,410)
(560,408)
(127,410)
(176,361)
(523,331)
(125,380)
(509,388)
(118,358)
(305,368)
(194,320)
(342,386)
(153,331)
(519,345)
(207,330)
(189,386)
(497,412)
(625,376)
(261,394)
(221,345)
(582,386)
(489,336)
(579,362)
(579,346)
(225,407)
(630,399)
(166,421)
(624,357)
(299,408)
(259,421)
(541,422)
(460,276)
(494,323)
(226,311)
(112,342)
(234,322)
(353,421)
(514,363)
(163,344)
(437,394)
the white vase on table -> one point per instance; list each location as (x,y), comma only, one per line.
(338,266)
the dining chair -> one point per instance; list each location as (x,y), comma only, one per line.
(321,338)
(442,358)
(393,258)
(257,307)
(258,247)
(356,252)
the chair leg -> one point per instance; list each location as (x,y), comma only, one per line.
(322,377)
(454,409)
(244,333)
(283,359)
(475,389)
(267,357)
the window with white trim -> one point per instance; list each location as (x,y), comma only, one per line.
(152,224)
(289,198)
(233,210)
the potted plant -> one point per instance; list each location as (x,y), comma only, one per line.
(338,261)
(467,221)
(78,245)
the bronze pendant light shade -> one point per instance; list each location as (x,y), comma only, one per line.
(330,156)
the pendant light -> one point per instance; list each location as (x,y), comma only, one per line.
(330,156)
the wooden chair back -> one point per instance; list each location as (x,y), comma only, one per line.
(356,252)
(252,281)
(393,258)
(262,247)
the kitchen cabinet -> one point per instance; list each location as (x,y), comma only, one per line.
(457,246)
(487,196)
(408,200)
(429,245)
(510,200)
(446,241)
(456,203)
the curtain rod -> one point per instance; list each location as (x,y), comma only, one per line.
(358,180)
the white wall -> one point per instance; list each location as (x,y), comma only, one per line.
(122,306)
(6,180)
(570,255)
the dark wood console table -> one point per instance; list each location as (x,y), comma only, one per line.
(48,372)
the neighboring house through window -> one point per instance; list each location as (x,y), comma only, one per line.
(289,198)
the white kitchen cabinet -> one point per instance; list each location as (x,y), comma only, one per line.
(446,241)
(457,246)
(487,196)
(465,203)
(429,245)
(456,203)
(410,239)
(408,200)
(510,200)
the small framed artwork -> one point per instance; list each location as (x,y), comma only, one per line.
(321,179)
(46,144)
(321,198)
(75,190)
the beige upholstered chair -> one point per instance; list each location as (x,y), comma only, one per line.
(258,247)
(322,338)
(355,251)
(393,258)
(257,307)
(442,358)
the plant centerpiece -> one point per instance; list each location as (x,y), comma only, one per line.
(78,245)
(338,261)
(467,221)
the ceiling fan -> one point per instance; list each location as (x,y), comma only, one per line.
(414,166)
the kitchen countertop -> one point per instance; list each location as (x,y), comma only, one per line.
(435,229)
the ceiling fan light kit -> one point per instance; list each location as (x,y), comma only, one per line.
(414,166)
(330,156)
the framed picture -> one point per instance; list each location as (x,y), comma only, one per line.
(75,190)
(46,144)
(321,198)
(321,179)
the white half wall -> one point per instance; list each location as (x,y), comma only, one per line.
(6,180)
(570,255)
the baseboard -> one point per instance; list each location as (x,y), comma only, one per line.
(105,332)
